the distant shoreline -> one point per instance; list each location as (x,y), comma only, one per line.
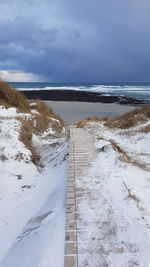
(82,96)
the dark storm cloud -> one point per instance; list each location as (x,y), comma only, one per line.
(80,40)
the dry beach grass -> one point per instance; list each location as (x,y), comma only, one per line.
(125,121)
(82,123)
(130,119)
(38,117)
(10,97)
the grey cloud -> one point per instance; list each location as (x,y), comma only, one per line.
(80,40)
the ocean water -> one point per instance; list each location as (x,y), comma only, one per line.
(137,91)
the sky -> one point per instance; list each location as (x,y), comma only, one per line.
(75,40)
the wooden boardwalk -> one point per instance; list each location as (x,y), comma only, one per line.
(82,151)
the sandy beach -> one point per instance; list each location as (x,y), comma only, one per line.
(75,111)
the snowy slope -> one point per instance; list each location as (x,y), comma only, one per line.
(118,206)
(32,198)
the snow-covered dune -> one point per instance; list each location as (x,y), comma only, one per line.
(33,171)
(118,183)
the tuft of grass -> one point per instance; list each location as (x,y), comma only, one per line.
(130,194)
(83,123)
(41,107)
(119,149)
(97,118)
(39,123)
(10,97)
(48,112)
(124,156)
(25,137)
(130,119)
(128,159)
(145,129)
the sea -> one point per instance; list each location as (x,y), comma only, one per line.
(134,90)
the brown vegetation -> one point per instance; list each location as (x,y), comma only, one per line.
(48,112)
(130,194)
(11,97)
(26,132)
(39,123)
(34,124)
(123,154)
(41,107)
(130,119)
(83,123)
(125,121)
(145,129)
(119,149)
(126,158)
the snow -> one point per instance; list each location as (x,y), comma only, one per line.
(41,238)
(55,120)
(33,104)
(34,111)
(12,112)
(32,198)
(116,214)
(48,131)
(9,112)
(117,210)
